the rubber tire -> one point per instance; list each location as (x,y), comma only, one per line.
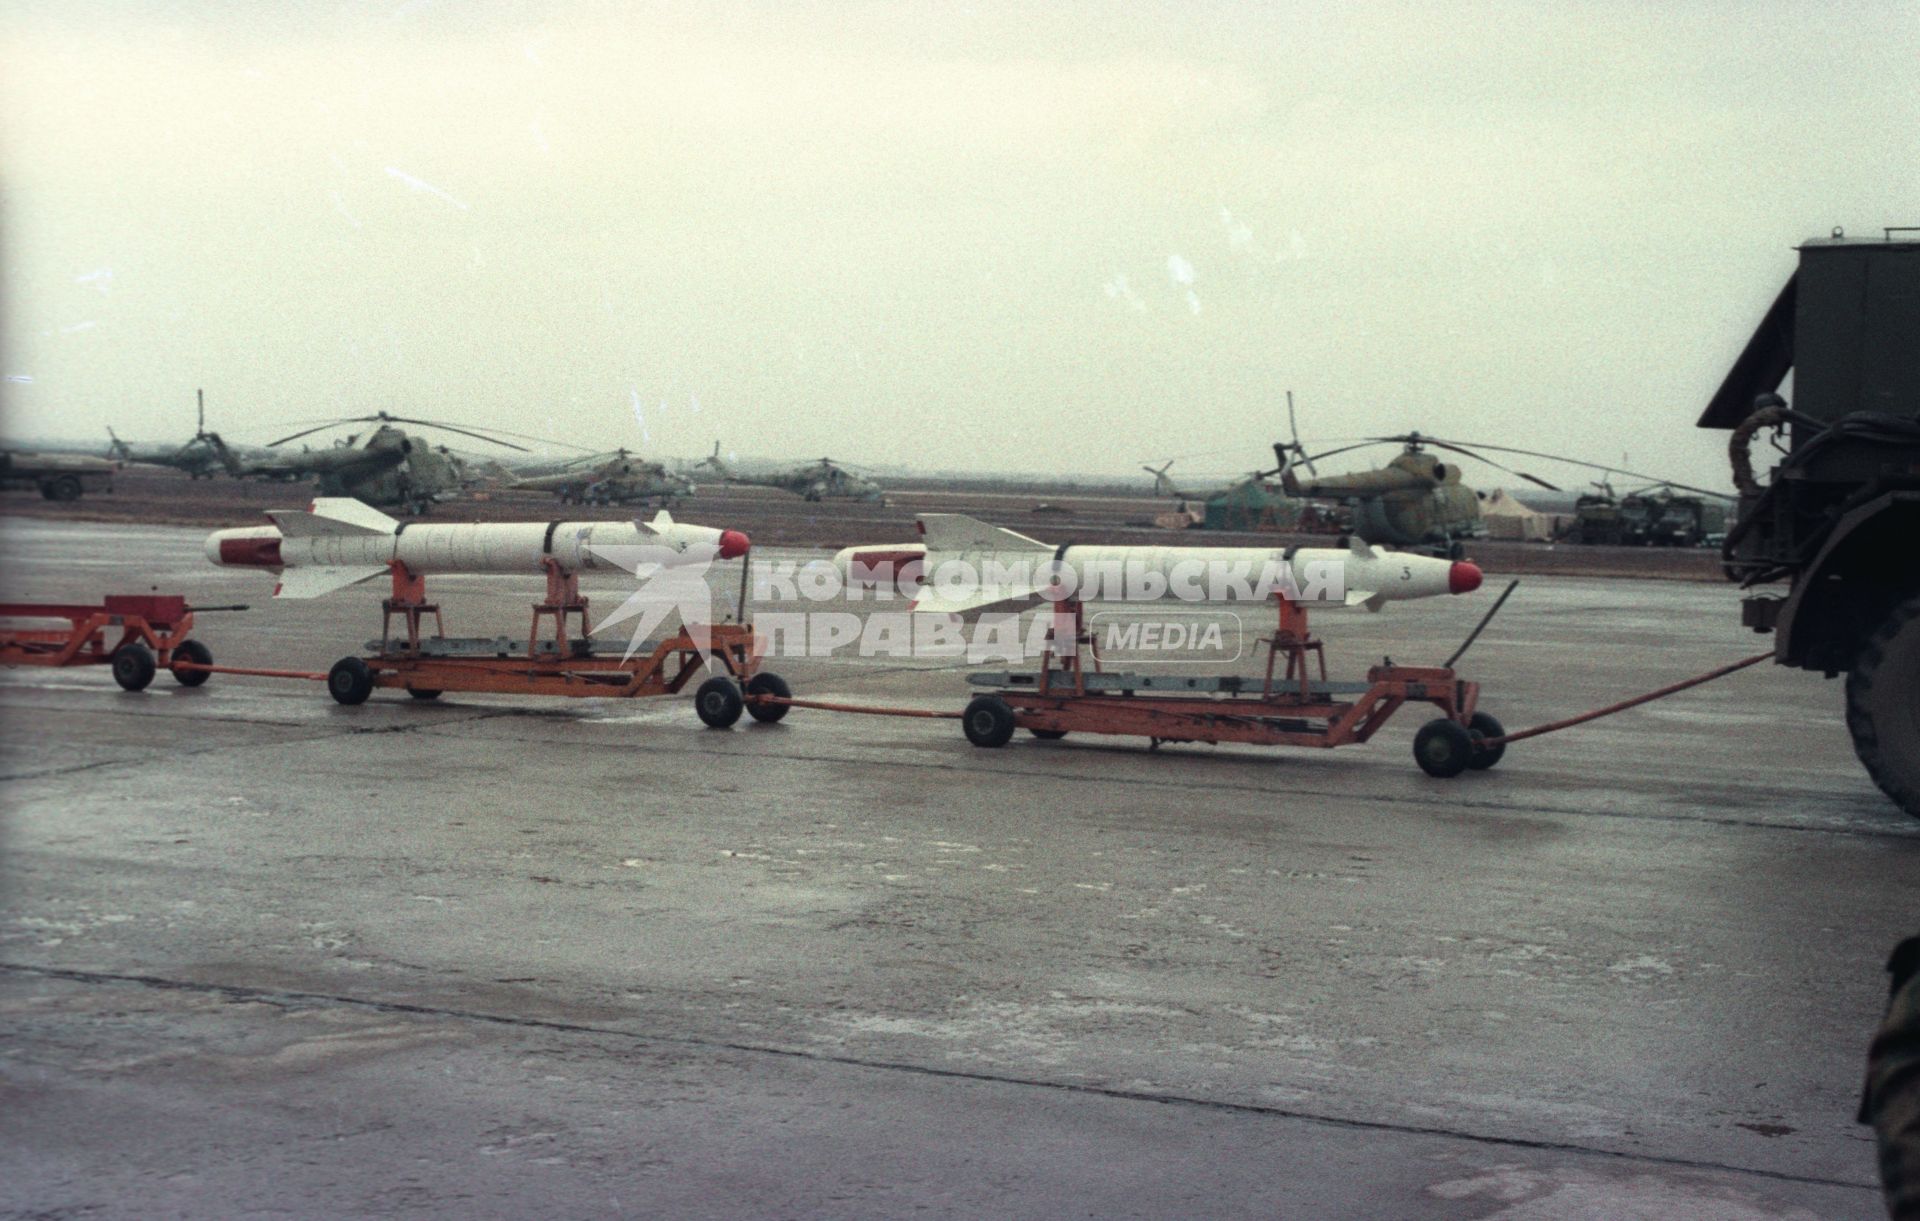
(65,488)
(133,666)
(718,703)
(1883,706)
(988,721)
(768,684)
(424,693)
(1483,725)
(1443,748)
(199,654)
(1048,735)
(350,681)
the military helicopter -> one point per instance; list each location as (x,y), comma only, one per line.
(823,479)
(621,477)
(202,456)
(389,469)
(1417,499)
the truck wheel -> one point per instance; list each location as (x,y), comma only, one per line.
(132,667)
(350,681)
(1883,706)
(195,652)
(1443,748)
(768,684)
(64,488)
(1480,727)
(988,721)
(718,702)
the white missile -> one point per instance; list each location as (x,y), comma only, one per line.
(338,541)
(965,565)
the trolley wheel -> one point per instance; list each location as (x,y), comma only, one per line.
(1048,735)
(1482,725)
(132,666)
(1443,748)
(63,489)
(768,684)
(350,681)
(195,652)
(718,702)
(988,721)
(424,693)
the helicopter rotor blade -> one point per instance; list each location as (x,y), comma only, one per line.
(1499,466)
(1293,427)
(302,433)
(1531,453)
(1345,448)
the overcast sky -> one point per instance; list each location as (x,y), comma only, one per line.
(970,236)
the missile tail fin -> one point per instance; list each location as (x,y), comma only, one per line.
(1360,548)
(972,603)
(1365,597)
(333,515)
(313,582)
(958,532)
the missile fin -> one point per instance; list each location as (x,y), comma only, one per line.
(1020,598)
(661,523)
(1360,549)
(958,532)
(333,515)
(1364,597)
(313,582)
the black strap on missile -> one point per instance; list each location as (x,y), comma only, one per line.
(401,528)
(546,543)
(1481,626)
(1059,562)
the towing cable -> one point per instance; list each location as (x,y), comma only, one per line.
(1623,705)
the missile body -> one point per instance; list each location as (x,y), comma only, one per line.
(339,542)
(965,565)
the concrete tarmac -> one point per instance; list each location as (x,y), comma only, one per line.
(491,957)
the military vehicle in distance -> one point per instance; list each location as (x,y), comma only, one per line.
(1656,517)
(1839,517)
(61,477)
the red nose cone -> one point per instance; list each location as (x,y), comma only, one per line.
(1463,578)
(734,544)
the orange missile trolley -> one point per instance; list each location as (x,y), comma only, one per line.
(1294,706)
(564,663)
(152,635)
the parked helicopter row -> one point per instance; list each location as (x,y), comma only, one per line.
(1420,500)
(1417,499)
(391,467)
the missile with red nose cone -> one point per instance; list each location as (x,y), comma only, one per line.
(339,541)
(965,566)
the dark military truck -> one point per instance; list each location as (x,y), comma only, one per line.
(1838,517)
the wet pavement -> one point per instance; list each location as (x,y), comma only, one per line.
(486,956)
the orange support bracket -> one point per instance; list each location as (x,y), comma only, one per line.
(408,600)
(563,599)
(1293,639)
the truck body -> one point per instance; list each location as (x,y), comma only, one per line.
(1837,520)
